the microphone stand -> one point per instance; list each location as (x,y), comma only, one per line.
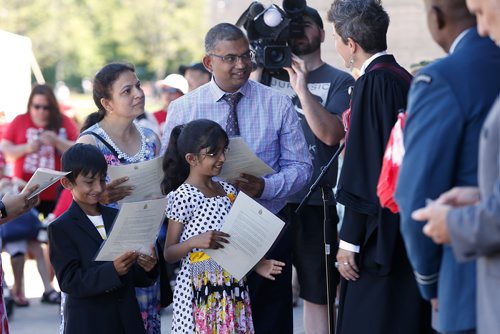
(326,192)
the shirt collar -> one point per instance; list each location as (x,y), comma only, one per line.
(372,58)
(458,39)
(219,93)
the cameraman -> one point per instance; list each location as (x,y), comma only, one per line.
(320,95)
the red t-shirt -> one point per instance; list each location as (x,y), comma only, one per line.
(63,203)
(21,131)
(161,116)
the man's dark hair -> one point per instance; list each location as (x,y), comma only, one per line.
(364,21)
(83,159)
(222,32)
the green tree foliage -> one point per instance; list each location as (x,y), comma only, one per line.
(74,38)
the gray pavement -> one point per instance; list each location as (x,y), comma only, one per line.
(44,318)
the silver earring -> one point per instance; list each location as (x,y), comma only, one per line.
(351,62)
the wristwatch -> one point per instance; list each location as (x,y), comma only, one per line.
(3,211)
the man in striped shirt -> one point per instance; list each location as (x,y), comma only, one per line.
(266,120)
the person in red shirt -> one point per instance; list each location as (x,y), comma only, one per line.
(38,138)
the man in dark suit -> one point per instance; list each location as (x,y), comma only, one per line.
(469,217)
(447,105)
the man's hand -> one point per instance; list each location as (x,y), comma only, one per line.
(298,75)
(460,196)
(251,185)
(435,214)
(114,192)
(18,204)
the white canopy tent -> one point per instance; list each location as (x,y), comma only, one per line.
(16,63)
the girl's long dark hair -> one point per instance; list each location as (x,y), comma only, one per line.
(189,138)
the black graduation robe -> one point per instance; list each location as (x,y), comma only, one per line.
(385,299)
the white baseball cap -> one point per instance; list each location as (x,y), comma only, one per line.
(175,81)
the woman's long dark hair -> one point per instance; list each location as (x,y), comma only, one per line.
(103,81)
(55,115)
(189,138)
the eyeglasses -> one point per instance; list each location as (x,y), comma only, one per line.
(41,106)
(233,59)
(216,154)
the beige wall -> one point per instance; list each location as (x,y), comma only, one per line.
(408,37)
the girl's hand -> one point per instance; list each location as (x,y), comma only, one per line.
(269,268)
(124,262)
(148,262)
(210,240)
(114,192)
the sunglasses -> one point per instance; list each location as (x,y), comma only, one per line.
(41,106)
(170,90)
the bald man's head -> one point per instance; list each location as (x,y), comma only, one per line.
(446,19)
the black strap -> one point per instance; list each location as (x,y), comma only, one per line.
(102,140)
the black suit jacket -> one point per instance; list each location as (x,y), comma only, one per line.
(98,300)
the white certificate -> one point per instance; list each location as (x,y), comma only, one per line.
(145,176)
(135,229)
(241,159)
(44,177)
(252,230)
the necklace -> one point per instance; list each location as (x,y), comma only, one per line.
(141,155)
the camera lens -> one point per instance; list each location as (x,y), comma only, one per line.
(276,55)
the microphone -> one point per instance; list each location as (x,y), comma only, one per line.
(249,14)
(255,9)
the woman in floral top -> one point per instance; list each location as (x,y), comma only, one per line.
(118,94)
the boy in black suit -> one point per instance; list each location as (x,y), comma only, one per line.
(100,295)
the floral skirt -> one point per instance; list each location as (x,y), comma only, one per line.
(221,304)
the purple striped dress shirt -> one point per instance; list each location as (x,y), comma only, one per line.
(269,125)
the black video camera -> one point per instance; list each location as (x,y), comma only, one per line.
(269,29)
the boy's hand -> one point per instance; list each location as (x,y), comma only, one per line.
(148,262)
(124,262)
(269,268)
(114,192)
(210,239)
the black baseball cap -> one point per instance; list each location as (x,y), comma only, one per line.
(193,66)
(314,15)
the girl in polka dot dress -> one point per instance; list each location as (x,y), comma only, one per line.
(207,299)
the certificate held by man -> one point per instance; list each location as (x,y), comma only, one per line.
(252,230)
(44,177)
(144,176)
(241,159)
(135,229)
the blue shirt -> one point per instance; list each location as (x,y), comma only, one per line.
(269,125)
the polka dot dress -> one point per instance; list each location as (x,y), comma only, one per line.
(206,298)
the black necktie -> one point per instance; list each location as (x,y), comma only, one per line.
(232,127)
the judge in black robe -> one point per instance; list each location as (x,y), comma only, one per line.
(378,292)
